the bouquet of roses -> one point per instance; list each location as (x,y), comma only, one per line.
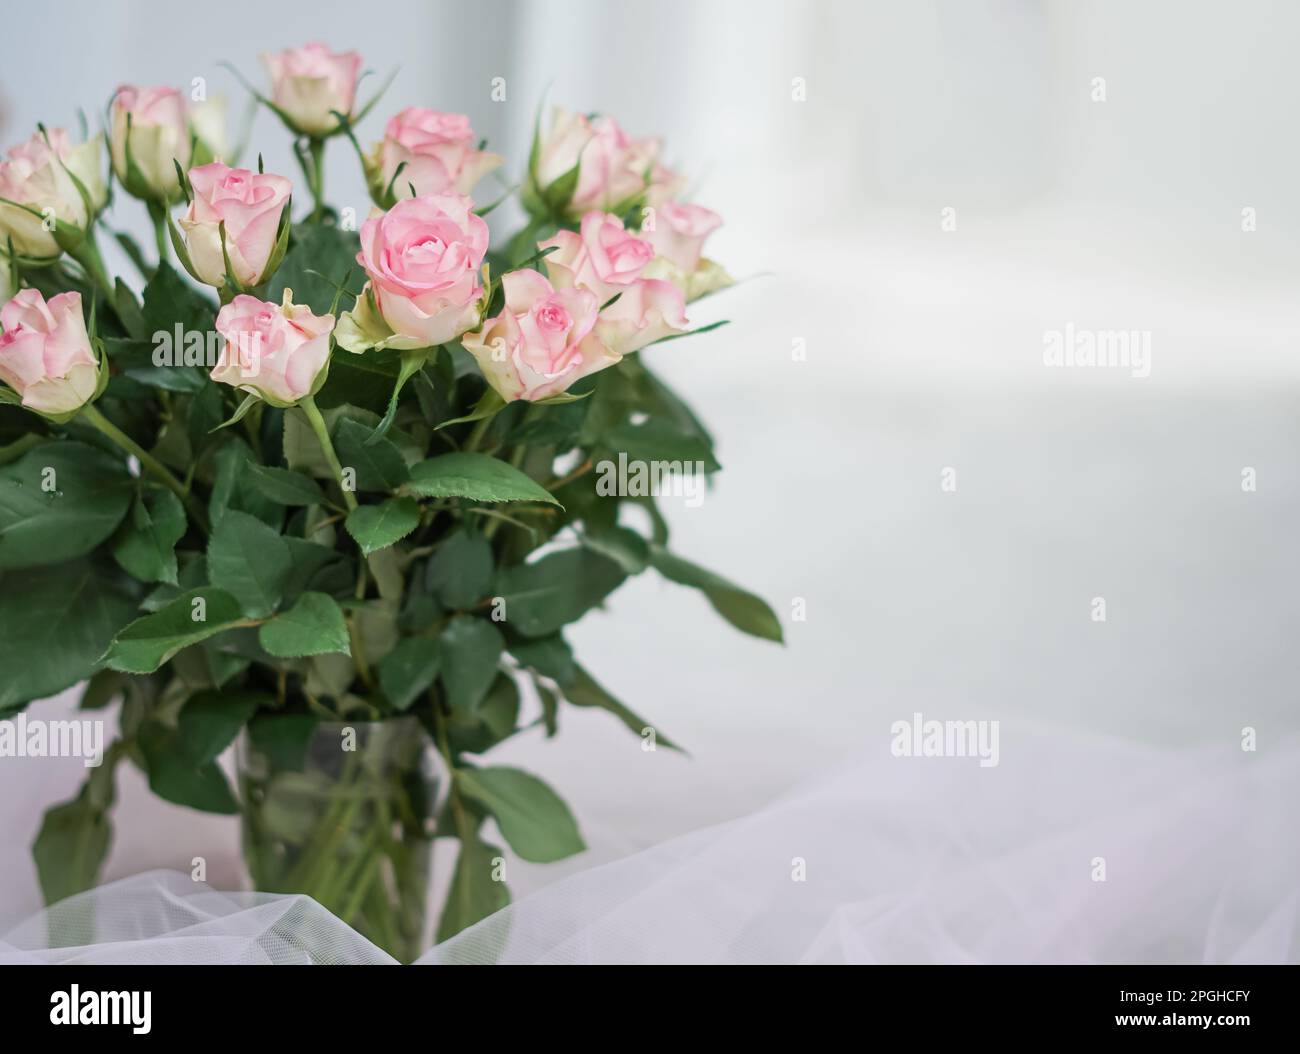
(345,508)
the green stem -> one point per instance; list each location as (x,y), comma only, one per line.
(147,462)
(476,435)
(318,426)
(87,254)
(316,178)
(158,213)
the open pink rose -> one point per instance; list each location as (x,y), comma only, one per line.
(679,232)
(438,150)
(603,256)
(423,258)
(308,83)
(45,352)
(542,341)
(276,351)
(250,204)
(610,261)
(159,137)
(613,167)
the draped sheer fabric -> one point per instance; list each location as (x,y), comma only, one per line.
(1069,850)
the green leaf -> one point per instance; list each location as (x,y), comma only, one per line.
(533,820)
(58,501)
(659,439)
(479,477)
(55,623)
(549,656)
(313,626)
(250,561)
(149,642)
(475,891)
(327,250)
(378,463)
(145,547)
(558,589)
(582,690)
(209,721)
(745,611)
(376,527)
(471,649)
(282,738)
(286,487)
(494,720)
(73,841)
(622,545)
(176,776)
(460,570)
(407,671)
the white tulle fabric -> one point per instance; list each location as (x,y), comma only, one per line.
(883,860)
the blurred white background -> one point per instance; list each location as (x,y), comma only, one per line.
(923,351)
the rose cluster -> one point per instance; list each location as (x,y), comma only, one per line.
(611,256)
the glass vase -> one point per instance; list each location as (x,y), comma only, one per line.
(346,819)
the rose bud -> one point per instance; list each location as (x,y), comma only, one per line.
(678,232)
(422,257)
(309,84)
(543,340)
(46,355)
(44,173)
(251,205)
(430,151)
(208,129)
(279,352)
(610,262)
(612,167)
(145,158)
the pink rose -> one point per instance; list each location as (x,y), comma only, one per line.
(610,261)
(43,173)
(438,150)
(542,341)
(45,352)
(423,257)
(679,232)
(308,83)
(613,168)
(250,204)
(159,137)
(276,351)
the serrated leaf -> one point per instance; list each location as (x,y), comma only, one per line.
(376,527)
(145,546)
(250,561)
(150,641)
(286,487)
(479,477)
(313,626)
(378,463)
